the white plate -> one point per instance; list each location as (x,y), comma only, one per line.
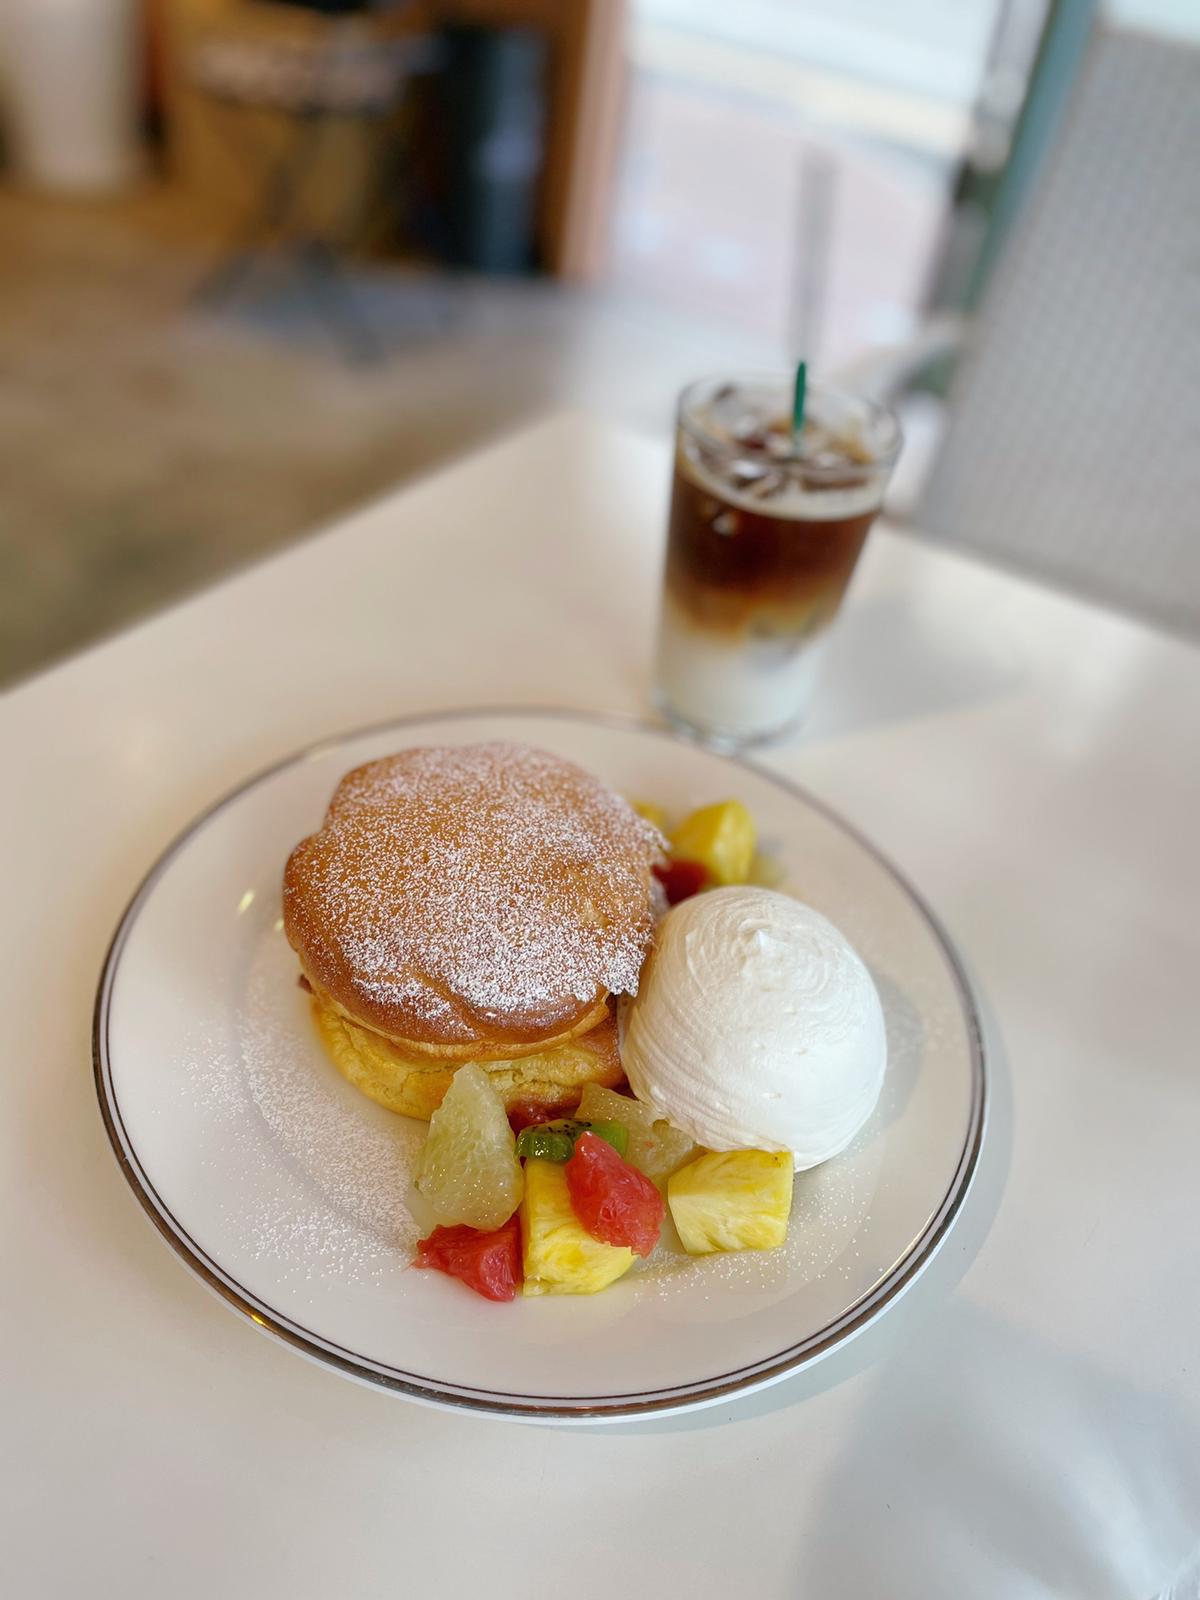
(283,1188)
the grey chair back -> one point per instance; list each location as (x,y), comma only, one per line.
(1072,445)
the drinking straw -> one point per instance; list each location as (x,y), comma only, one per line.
(798,397)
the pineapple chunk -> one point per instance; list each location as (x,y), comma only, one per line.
(652,813)
(721,838)
(732,1200)
(561,1257)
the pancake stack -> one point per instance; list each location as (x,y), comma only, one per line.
(481,903)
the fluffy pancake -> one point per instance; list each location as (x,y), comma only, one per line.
(553,1076)
(475,902)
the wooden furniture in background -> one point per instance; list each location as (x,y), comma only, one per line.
(585,94)
(207,144)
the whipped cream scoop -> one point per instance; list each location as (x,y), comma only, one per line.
(756,1026)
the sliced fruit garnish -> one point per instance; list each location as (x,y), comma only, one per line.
(721,838)
(655,1148)
(555,1141)
(560,1256)
(489,1263)
(652,813)
(614,1201)
(681,879)
(468,1171)
(527,1113)
(732,1200)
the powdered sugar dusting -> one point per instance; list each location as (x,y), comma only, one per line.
(467,886)
(361,1170)
(313,1177)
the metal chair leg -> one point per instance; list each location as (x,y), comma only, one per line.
(335,303)
(278,196)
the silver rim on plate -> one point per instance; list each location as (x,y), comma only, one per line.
(418,1386)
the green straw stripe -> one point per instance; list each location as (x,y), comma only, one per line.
(798,400)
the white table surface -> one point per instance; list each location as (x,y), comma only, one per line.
(1026,1422)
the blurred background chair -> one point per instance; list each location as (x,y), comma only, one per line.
(582,203)
(1052,397)
(339,73)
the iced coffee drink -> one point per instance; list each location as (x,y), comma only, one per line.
(765,528)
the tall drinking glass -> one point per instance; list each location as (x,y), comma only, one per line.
(765,528)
